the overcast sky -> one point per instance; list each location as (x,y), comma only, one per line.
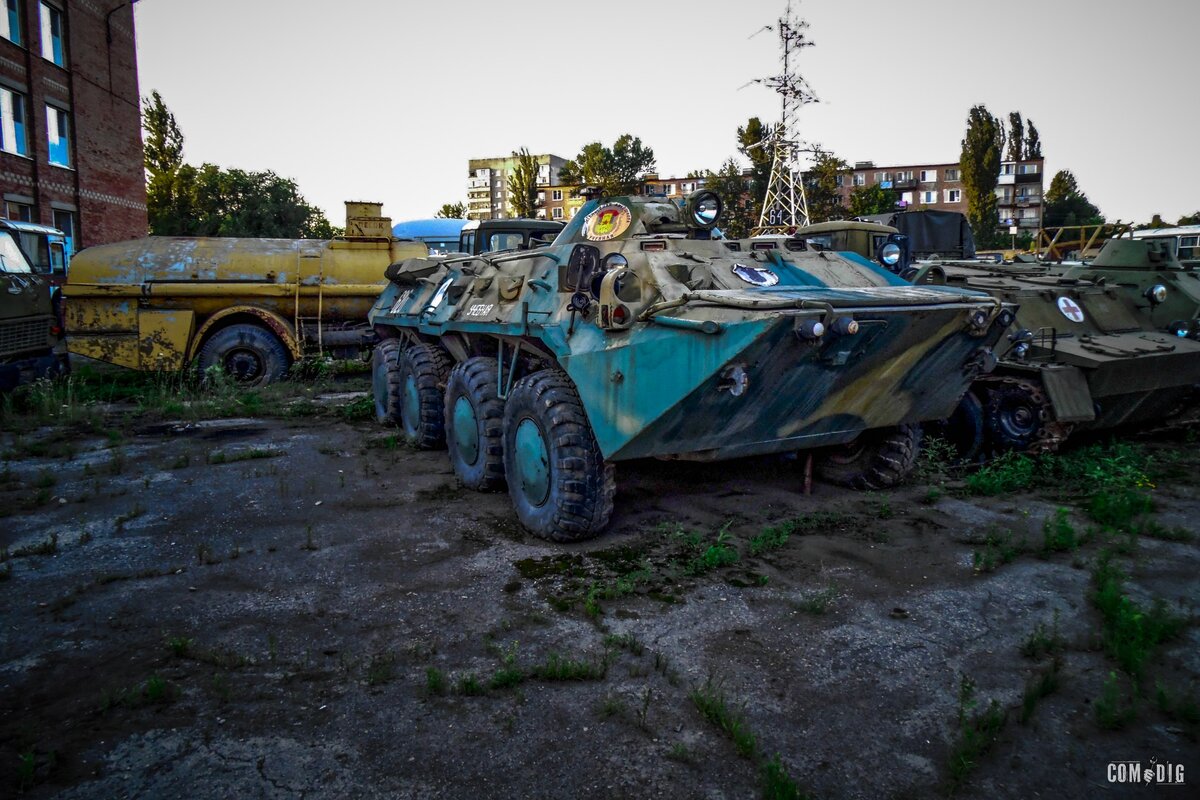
(386,101)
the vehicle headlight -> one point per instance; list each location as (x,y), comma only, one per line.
(1156,293)
(614,261)
(703,209)
(890,254)
(1180,328)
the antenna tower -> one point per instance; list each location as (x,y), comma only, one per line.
(785,206)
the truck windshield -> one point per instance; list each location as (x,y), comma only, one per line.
(11,257)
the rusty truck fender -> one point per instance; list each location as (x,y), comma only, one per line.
(281,328)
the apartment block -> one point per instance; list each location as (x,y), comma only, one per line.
(487,184)
(70,119)
(562,202)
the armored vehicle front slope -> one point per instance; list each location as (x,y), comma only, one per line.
(636,335)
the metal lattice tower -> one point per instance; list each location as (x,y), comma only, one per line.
(785,206)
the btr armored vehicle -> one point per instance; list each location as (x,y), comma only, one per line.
(1088,349)
(637,335)
(30,337)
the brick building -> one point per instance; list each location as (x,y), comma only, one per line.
(563,203)
(487,183)
(70,121)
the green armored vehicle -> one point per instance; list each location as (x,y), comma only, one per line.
(30,345)
(635,335)
(1086,350)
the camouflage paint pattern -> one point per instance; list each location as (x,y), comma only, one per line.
(706,363)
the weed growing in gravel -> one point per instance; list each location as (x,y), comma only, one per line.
(1042,685)
(560,668)
(1118,509)
(816,603)
(47,548)
(1182,709)
(1011,472)
(777,784)
(1130,632)
(712,704)
(772,538)
(129,516)
(469,686)
(1112,712)
(381,669)
(679,752)
(309,544)
(611,706)
(1042,640)
(1058,535)
(435,681)
(999,547)
(179,646)
(624,641)
(718,554)
(976,733)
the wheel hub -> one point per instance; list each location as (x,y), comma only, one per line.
(466,431)
(243,364)
(532,461)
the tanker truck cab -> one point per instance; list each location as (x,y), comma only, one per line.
(248,306)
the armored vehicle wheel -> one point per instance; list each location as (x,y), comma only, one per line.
(421,371)
(879,459)
(557,478)
(385,381)
(1019,417)
(964,429)
(249,354)
(475,424)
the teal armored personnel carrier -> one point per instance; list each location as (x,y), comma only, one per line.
(636,335)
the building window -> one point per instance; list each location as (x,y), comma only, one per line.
(58,130)
(951,175)
(929,176)
(860,179)
(571,211)
(1188,247)
(10,22)
(19,212)
(669,189)
(52,35)
(904,176)
(65,222)
(556,194)
(1008,169)
(954,195)
(929,197)
(1027,169)
(556,212)
(12,123)
(838,181)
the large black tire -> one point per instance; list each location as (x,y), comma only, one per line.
(1017,414)
(879,459)
(421,371)
(564,492)
(475,424)
(250,354)
(385,381)
(963,430)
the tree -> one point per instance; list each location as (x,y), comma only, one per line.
(821,187)
(752,144)
(1033,143)
(452,211)
(1016,136)
(874,199)
(1193,219)
(1155,222)
(616,170)
(522,185)
(731,186)
(1066,204)
(979,166)
(182,200)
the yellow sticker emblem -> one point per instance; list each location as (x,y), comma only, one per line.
(607,222)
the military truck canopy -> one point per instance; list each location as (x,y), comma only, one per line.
(932,233)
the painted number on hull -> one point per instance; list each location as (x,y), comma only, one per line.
(480,309)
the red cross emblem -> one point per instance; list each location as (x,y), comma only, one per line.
(1070,309)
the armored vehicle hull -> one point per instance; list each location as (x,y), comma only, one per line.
(634,336)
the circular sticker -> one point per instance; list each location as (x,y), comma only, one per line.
(1070,309)
(607,222)
(756,276)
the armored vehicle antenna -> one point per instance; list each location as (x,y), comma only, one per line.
(785,206)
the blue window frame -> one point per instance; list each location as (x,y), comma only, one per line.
(58,131)
(12,123)
(52,34)
(10,22)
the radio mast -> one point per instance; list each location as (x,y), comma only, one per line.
(785,206)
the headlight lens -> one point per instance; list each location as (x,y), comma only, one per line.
(615,261)
(890,254)
(1156,293)
(703,209)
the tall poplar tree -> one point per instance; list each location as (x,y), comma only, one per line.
(980,171)
(522,185)
(1016,136)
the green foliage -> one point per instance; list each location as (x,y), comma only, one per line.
(1189,219)
(560,668)
(1118,508)
(1011,472)
(435,681)
(522,185)
(777,784)
(739,217)
(1112,711)
(712,704)
(717,555)
(772,538)
(872,199)
(998,548)
(1016,136)
(750,138)
(821,189)
(1042,640)
(1058,535)
(183,200)
(469,686)
(452,211)
(381,669)
(1040,686)
(1033,142)
(1130,633)
(616,170)
(1156,222)
(976,734)
(816,603)
(1066,204)
(979,165)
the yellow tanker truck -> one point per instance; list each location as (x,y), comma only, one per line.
(251,306)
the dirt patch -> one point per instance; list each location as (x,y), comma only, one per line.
(333,616)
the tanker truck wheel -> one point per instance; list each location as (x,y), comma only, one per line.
(878,459)
(250,354)
(475,424)
(385,381)
(557,478)
(421,371)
